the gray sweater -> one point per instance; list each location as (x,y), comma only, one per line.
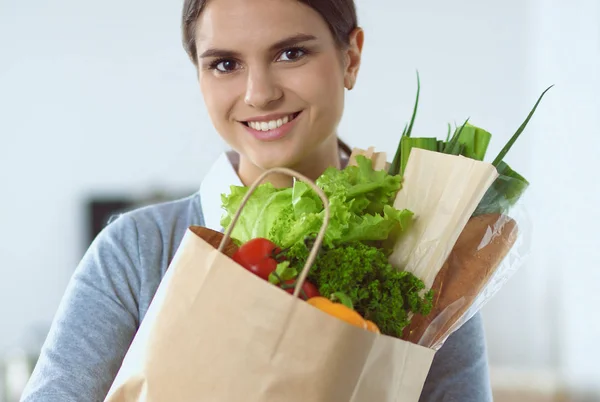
(112,288)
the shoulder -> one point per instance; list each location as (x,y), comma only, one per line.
(140,230)
(158,215)
(137,246)
(156,228)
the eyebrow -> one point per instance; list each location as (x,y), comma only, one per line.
(287,42)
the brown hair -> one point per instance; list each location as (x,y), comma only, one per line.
(340,16)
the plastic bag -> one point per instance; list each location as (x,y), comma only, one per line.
(489,250)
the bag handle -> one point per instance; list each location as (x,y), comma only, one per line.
(316,246)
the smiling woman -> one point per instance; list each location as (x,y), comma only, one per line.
(273,74)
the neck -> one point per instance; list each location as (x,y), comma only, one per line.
(327,155)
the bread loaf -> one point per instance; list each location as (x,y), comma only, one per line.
(478,252)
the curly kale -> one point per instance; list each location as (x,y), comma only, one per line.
(378,291)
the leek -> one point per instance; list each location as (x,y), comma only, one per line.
(504,192)
(472,142)
(408,143)
(475,141)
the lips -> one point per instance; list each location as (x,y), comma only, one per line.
(271,128)
(272,124)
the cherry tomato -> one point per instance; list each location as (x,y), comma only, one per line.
(257,256)
(309,289)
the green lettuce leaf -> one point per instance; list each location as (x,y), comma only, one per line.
(360,204)
(377,227)
(254,220)
(366,189)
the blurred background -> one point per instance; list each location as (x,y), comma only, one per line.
(100,111)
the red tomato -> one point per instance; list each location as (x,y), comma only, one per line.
(257,256)
(308,288)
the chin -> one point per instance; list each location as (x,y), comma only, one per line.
(276,154)
(272,160)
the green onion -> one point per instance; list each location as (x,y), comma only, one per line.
(508,188)
(395,166)
(412,119)
(516,135)
(440,145)
(453,147)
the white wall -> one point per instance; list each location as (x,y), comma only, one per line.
(567,136)
(94,97)
(111,78)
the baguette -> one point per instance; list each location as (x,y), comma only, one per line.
(478,252)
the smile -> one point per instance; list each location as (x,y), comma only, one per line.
(271,128)
(271,124)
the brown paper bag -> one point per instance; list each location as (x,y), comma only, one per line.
(216,332)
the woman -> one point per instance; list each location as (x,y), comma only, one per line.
(273,74)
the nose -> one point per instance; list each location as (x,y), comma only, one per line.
(261,89)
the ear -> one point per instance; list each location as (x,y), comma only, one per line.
(353,56)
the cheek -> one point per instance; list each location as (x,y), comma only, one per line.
(322,87)
(219,99)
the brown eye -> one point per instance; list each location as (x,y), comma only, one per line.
(225,66)
(292,54)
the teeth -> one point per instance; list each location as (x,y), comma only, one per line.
(269,125)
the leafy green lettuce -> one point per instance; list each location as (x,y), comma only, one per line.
(360,203)
(254,220)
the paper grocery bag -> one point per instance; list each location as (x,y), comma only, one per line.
(216,332)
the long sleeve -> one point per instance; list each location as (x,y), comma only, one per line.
(95,322)
(460,369)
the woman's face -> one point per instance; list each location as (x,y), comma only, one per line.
(273,78)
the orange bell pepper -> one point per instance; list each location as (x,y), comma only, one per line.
(343,311)
(371,326)
(338,310)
